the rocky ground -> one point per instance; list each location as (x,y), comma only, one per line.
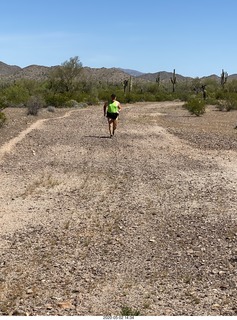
(144,223)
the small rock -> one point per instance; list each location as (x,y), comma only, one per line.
(221,272)
(66,305)
(29,291)
(49,306)
(214,271)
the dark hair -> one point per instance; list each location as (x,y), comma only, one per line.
(113,96)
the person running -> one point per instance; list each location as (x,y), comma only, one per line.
(113,108)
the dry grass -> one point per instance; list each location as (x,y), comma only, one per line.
(45,182)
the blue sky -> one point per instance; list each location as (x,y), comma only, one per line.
(195,37)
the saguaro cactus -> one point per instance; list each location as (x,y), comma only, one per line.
(224,76)
(125,84)
(204,91)
(130,84)
(158,79)
(173,80)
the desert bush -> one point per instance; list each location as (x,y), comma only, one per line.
(164,96)
(15,95)
(232,86)
(211,100)
(149,97)
(127,311)
(195,106)
(220,95)
(51,109)
(92,101)
(221,105)
(183,96)
(34,104)
(231,104)
(93,96)
(228,102)
(131,97)
(2,101)
(82,105)
(105,93)
(80,96)
(72,104)
(56,99)
(152,88)
(3,118)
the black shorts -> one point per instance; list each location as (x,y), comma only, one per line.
(112,116)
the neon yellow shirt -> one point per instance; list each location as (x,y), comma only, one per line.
(113,107)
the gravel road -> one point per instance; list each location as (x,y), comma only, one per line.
(143,223)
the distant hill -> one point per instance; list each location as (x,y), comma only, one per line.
(233,77)
(131,72)
(164,76)
(34,72)
(211,77)
(31,72)
(6,70)
(109,75)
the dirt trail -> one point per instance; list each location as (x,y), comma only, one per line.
(90,225)
(8,146)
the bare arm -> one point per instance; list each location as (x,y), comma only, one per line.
(105,107)
(119,106)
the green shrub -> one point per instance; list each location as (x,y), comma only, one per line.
(149,97)
(130,97)
(3,118)
(195,106)
(126,312)
(221,105)
(220,95)
(164,96)
(71,104)
(56,99)
(2,101)
(211,100)
(230,104)
(15,96)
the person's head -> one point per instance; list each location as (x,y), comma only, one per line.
(113,96)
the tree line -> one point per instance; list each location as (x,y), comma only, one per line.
(65,87)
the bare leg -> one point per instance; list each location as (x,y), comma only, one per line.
(115,123)
(110,122)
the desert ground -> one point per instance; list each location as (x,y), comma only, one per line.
(143,223)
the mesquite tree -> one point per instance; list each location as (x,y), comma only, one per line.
(63,78)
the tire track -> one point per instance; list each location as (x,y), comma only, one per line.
(9,146)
